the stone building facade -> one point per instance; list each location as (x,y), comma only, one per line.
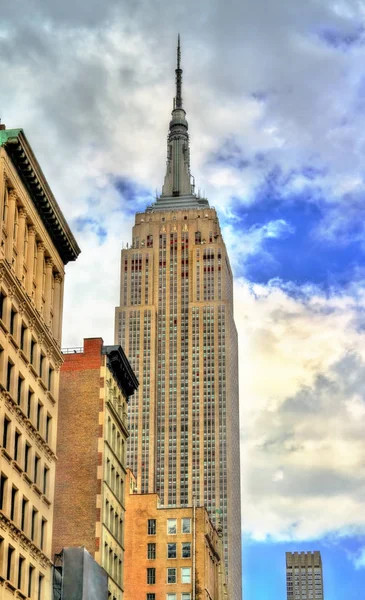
(35,245)
(171,553)
(96,382)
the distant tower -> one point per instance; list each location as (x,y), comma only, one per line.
(175,322)
(304,578)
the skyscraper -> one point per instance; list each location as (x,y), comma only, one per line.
(304,577)
(175,322)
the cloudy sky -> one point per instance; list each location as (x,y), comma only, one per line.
(275,99)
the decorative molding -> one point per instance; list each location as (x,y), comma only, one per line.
(22,213)
(13,408)
(19,535)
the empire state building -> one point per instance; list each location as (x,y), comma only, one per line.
(175,323)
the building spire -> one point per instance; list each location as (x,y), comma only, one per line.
(178,71)
(178,189)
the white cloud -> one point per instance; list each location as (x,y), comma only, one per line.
(302,378)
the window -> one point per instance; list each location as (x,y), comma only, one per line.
(2,305)
(16,445)
(50,378)
(170,596)
(20,390)
(20,572)
(186,596)
(171,526)
(151,528)
(30,403)
(32,531)
(171,550)
(24,513)
(13,322)
(39,415)
(186,550)
(22,336)
(33,344)
(43,532)
(9,375)
(6,432)
(40,586)
(36,469)
(14,494)
(48,427)
(45,480)
(151,597)
(151,576)
(171,575)
(185,575)
(26,457)
(3,488)
(9,566)
(30,581)
(151,551)
(42,367)
(186,525)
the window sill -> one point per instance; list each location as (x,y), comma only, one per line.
(37,489)
(32,369)
(3,326)
(51,397)
(13,341)
(46,501)
(24,356)
(41,383)
(17,466)
(6,454)
(27,478)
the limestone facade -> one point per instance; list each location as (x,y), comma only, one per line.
(32,259)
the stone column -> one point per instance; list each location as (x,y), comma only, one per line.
(30,259)
(48,290)
(10,226)
(21,243)
(39,276)
(57,306)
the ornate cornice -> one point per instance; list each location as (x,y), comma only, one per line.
(30,172)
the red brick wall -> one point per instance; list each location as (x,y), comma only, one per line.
(75,511)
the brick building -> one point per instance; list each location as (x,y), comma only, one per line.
(35,245)
(174,553)
(95,384)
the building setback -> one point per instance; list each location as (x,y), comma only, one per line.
(35,245)
(304,577)
(95,384)
(174,553)
(175,321)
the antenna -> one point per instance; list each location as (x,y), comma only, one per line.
(178,100)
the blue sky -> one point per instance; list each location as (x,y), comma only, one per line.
(274,93)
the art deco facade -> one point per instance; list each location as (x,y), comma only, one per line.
(35,244)
(304,577)
(173,553)
(175,321)
(96,381)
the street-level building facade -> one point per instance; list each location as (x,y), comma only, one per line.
(173,553)
(304,576)
(175,322)
(35,245)
(96,382)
